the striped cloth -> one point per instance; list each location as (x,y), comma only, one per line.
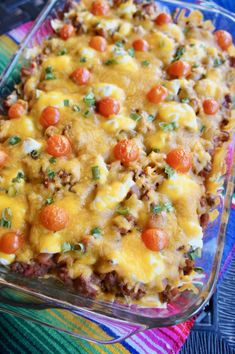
(19,336)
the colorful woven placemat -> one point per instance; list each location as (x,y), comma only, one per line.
(19,336)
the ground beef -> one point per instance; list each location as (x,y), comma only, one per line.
(45,259)
(232,62)
(204,220)
(220,139)
(189,265)
(168,294)
(227,101)
(206,170)
(29,270)
(85,286)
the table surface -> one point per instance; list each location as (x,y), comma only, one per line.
(214,330)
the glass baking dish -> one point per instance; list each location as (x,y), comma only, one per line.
(46,301)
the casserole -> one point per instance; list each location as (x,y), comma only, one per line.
(137,312)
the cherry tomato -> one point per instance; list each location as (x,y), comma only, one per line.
(108,106)
(49,116)
(3,158)
(179,159)
(179,68)
(58,145)
(126,151)
(223,39)
(162,19)
(157,94)
(141,45)
(10,242)
(67,31)
(210,106)
(54,218)
(16,111)
(98,43)
(155,239)
(81,76)
(99,8)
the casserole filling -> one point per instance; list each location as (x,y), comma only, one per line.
(113,150)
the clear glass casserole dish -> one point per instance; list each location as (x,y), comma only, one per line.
(48,302)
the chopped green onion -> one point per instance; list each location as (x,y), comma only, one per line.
(150,118)
(96,232)
(89,99)
(19,177)
(158,208)
(168,207)
(13,140)
(169,171)
(66,103)
(51,174)
(110,62)
(52,160)
(119,44)
(86,113)
(179,53)
(197,252)
(66,247)
(35,154)
(135,116)
(168,126)
(122,210)
(195,66)
(63,51)
(203,128)
(145,63)
(156,150)
(83,60)
(185,100)
(6,219)
(131,52)
(95,172)
(218,62)
(76,108)
(199,270)
(49,73)
(49,201)
(79,248)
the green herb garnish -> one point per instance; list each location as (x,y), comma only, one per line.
(52,160)
(66,247)
(19,177)
(150,118)
(96,232)
(6,219)
(145,63)
(169,171)
(122,210)
(218,62)
(76,108)
(86,113)
(131,52)
(195,66)
(51,174)
(49,201)
(199,270)
(83,60)
(185,100)
(179,53)
(203,128)
(79,247)
(158,208)
(89,99)
(110,62)
(135,116)
(35,154)
(63,51)
(49,73)
(95,172)
(119,44)
(197,252)
(66,103)
(168,126)
(13,140)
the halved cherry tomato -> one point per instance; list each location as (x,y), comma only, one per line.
(99,8)
(223,39)
(157,94)
(10,242)
(49,116)
(162,19)
(80,76)
(179,159)
(126,151)
(3,158)
(67,31)
(16,111)
(179,68)
(141,45)
(210,106)
(108,106)
(58,145)
(155,239)
(54,218)
(98,43)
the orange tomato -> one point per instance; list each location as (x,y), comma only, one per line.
(54,218)
(223,39)
(3,158)
(157,94)
(67,31)
(126,151)
(162,19)
(81,76)
(155,239)
(98,43)
(16,111)
(108,106)
(179,159)
(179,68)
(99,8)
(49,116)
(141,45)
(10,242)
(210,106)
(58,145)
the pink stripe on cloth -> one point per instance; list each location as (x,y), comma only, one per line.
(20,32)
